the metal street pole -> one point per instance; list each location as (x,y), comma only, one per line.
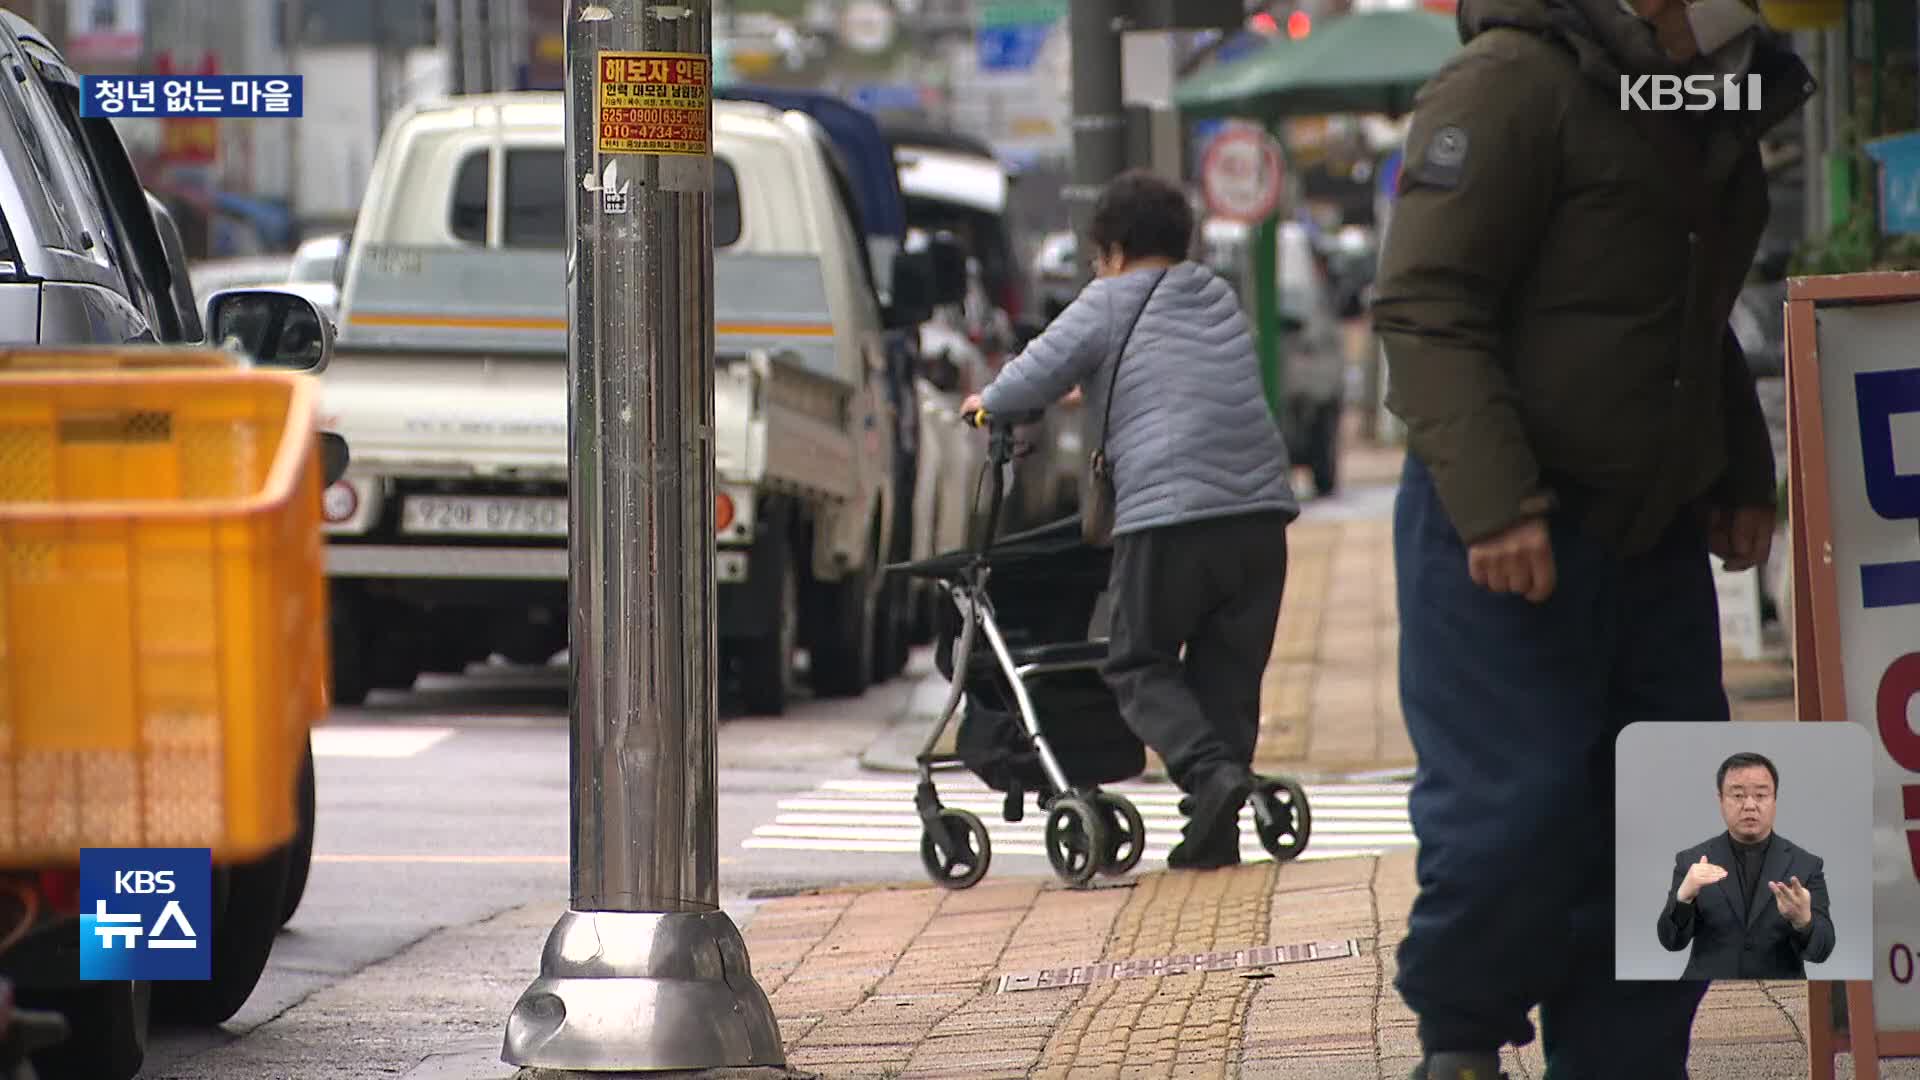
(1099,114)
(644,971)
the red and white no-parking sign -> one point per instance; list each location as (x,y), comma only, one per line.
(1242,175)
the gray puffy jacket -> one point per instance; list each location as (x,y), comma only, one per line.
(1192,437)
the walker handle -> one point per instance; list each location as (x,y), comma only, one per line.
(979,418)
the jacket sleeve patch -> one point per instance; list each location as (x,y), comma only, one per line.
(1443,162)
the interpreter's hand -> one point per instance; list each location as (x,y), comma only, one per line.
(1074,397)
(1519,560)
(971,405)
(1794,901)
(1699,876)
(1741,538)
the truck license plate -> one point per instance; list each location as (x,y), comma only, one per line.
(474,515)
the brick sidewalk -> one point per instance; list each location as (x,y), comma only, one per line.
(1330,704)
(903,983)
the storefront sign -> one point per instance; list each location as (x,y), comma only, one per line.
(1854,406)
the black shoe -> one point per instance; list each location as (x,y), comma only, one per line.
(1215,852)
(1211,835)
(1457,1066)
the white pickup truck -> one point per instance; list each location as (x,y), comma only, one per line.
(447,538)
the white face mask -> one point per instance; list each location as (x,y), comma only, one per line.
(1726,32)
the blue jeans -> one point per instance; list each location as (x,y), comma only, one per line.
(1513,708)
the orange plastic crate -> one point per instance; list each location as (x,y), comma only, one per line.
(115,358)
(162,610)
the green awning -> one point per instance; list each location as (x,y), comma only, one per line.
(1369,62)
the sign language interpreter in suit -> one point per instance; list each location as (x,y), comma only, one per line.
(1715,905)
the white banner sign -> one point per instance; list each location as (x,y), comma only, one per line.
(1869,366)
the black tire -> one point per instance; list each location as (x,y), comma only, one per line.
(921,629)
(300,855)
(841,646)
(247,902)
(766,662)
(106,1029)
(1324,451)
(1126,834)
(974,851)
(1076,840)
(1282,818)
(351,682)
(893,622)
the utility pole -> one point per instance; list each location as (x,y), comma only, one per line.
(643,971)
(1099,112)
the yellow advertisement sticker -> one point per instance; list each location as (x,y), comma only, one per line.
(655,103)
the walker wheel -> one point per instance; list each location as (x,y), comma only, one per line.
(1282,818)
(1126,834)
(969,852)
(1076,839)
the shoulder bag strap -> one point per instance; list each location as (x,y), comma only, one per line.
(1113,384)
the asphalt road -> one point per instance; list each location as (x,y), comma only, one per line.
(448,806)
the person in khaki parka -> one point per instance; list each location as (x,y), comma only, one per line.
(1582,432)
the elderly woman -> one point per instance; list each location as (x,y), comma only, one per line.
(1202,498)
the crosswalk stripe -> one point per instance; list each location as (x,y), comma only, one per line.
(877,817)
(372,741)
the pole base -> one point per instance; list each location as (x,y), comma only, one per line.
(643,991)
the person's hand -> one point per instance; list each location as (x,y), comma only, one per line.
(1699,876)
(971,405)
(1741,538)
(1519,560)
(1794,901)
(1074,397)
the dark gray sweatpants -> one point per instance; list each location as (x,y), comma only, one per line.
(1213,587)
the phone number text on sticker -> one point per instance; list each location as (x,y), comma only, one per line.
(654,103)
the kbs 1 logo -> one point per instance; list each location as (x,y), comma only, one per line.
(146,914)
(1691,93)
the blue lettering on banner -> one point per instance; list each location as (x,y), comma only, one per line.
(1880,396)
(214,96)
(146,914)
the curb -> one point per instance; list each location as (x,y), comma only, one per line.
(899,745)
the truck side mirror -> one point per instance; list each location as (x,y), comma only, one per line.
(334,458)
(276,328)
(949,267)
(911,295)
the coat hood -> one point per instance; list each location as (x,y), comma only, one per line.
(1608,43)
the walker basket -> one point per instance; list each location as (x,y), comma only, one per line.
(162,610)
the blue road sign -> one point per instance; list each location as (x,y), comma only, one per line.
(1013,47)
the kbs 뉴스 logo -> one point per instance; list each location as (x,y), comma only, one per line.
(146,914)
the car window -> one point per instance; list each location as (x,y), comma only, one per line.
(79,191)
(536,203)
(536,207)
(50,228)
(467,217)
(9,255)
